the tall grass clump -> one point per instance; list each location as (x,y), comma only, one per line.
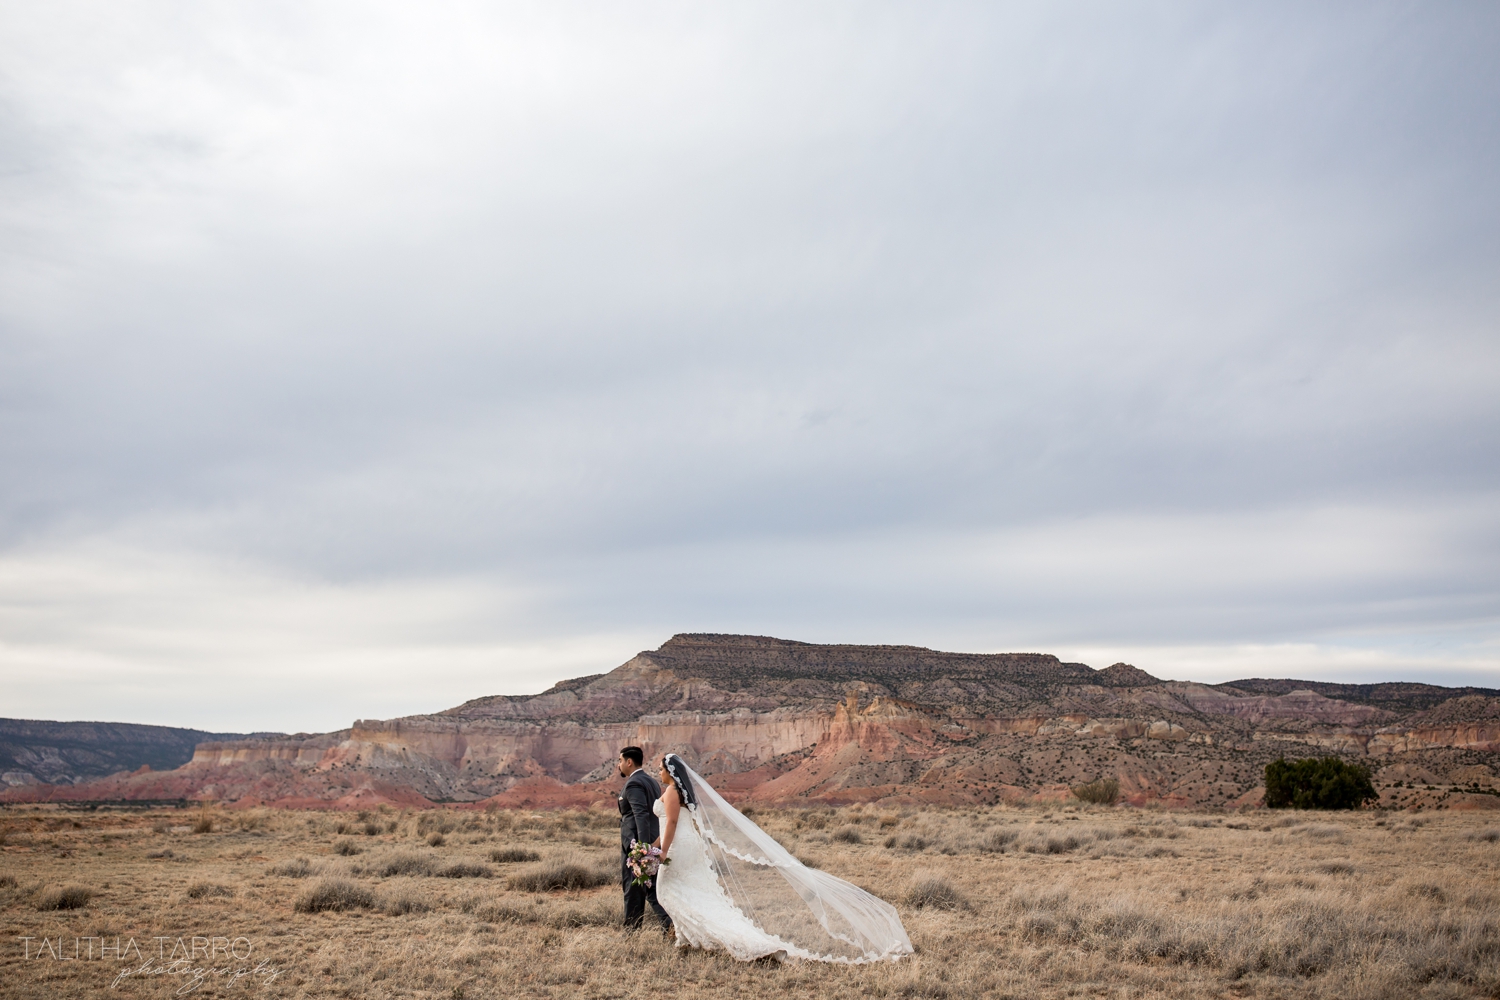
(67,897)
(292,868)
(205,890)
(1103,792)
(932,891)
(559,876)
(334,894)
(406,863)
(401,903)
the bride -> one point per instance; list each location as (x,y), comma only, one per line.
(731,886)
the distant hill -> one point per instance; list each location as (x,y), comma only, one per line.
(66,753)
(778,721)
(1397,696)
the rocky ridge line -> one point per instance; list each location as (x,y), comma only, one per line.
(778,721)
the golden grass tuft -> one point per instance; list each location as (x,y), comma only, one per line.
(935,892)
(560,876)
(202,889)
(333,894)
(65,897)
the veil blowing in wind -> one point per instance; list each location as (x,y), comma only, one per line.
(732,886)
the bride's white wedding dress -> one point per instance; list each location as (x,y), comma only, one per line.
(689,890)
(731,887)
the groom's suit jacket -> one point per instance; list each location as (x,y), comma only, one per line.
(637,821)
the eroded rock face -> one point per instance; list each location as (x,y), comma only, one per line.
(780,721)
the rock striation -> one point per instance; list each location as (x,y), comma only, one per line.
(777,721)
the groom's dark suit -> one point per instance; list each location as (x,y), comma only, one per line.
(638,822)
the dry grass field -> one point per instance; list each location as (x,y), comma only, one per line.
(1076,901)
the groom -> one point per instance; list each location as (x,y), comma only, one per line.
(638,822)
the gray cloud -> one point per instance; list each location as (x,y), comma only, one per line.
(1156,328)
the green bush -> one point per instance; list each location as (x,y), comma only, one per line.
(1317,783)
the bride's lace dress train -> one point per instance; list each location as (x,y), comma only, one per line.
(689,890)
(731,887)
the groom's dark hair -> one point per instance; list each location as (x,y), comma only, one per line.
(634,754)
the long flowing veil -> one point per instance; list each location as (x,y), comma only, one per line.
(817,915)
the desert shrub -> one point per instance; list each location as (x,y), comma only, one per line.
(162,854)
(995,841)
(293,868)
(371,829)
(161,826)
(848,835)
(506,913)
(1317,783)
(203,824)
(910,842)
(398,904)
(67,897)
(341,828)
(433,822)
(334,894)
(809,862)
(559,875)
(7,882)
(1061,845)
(599,914)
(464,869)
(345,848)
(436,839)
(938,893)
(1103,792)
(1337,868)
(1488,836)
(406,863)
(886,822)
(513,855)
(206,890)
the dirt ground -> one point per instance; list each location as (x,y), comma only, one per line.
(1072,901)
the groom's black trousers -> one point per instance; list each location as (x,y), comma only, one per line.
(637,897)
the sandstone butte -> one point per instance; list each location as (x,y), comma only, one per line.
(781,722)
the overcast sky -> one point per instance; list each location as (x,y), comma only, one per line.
(359,360)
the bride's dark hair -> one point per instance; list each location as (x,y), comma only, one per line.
(677,771)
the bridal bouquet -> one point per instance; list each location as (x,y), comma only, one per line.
(644,861)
